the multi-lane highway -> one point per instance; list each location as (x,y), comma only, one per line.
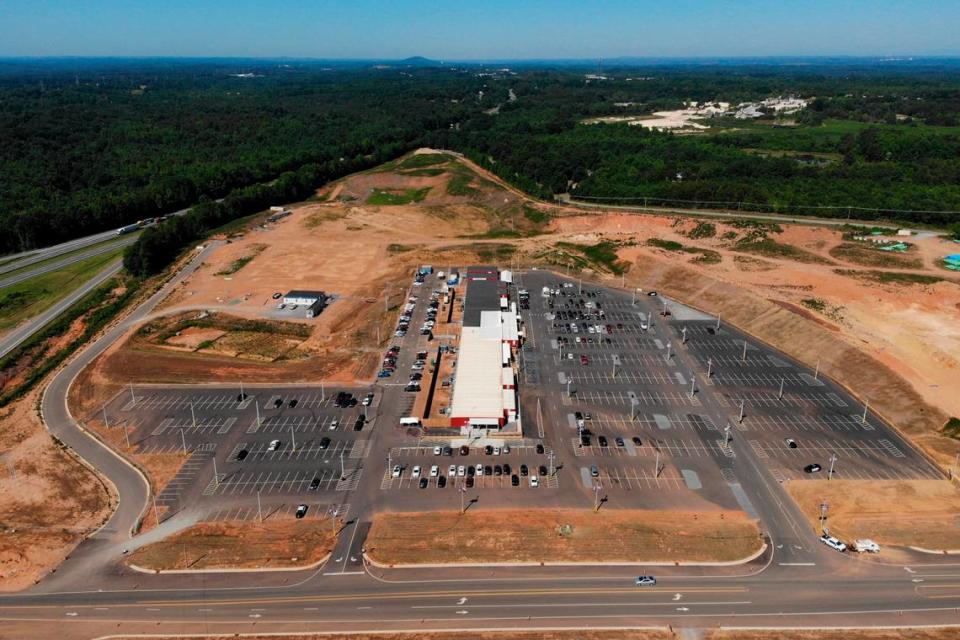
(796,582)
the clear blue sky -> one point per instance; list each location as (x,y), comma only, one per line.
(453,29)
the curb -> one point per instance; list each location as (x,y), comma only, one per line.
(164,572)
(660,563)
(938,552)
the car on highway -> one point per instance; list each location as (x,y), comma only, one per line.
(646,581)
(301,511)
(790,442)
(416,471)
(833,543)
(812,468)
(242,454)
(274,445)
(397,470)
(314,484)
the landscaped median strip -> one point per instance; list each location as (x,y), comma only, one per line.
(558,537)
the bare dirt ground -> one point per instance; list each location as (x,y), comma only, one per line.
(561,535)
(921,513)
(241,545)
(49,500)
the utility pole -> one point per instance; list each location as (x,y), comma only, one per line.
(293,440)
(463,491)
(833,461)
(709,367)
(742,404)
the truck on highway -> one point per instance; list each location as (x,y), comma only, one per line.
(130,228)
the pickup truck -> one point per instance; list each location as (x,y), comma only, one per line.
(866,546)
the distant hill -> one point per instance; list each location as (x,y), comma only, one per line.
(420,61)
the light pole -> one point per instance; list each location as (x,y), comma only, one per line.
(156,512)
(463,491)
(743,359)
(780,395)
(259,508)
(683,339)
(550,458)
(343,470)
(693,386)
(816,372)
(243,396)
(193,417)
(656,465)
(824,506)
(216,476)
(866,407)
(323,395)
(256,404)
(293,440)
(669,344)
(709,368)
(568,389)
(133,397)
(833,461)
(718,321)
(726,435)
(126,434)
(597,488)
(106,423)
(183,441)
(742,404)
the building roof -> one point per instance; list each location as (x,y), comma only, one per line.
(482,295)
(298,293)
(478,391)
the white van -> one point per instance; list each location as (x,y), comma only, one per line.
(409,422)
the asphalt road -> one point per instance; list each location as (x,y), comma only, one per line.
(799,582)
(56,265)
(12,340)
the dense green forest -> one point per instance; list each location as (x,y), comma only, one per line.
(92,145)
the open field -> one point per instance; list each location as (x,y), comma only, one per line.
(30,297)
(561,535)
(48,499)
(233,545)
(919,513)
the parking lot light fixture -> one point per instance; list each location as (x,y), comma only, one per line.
(193,417)
(726,435)
(780,395)
(684,334)
(133,397)
(693,385)
(833,461)
(744,357)
(256,404)
(718,321)
(323,395)
(709,367)
(816,372)
(106,423)
(463,491)
(243,396)
(551,457)
(866,407)
(343,470)
(742,405)
(216,476)
(259,508)
(568,387)
(597,488)
(126,434)
(183,441)
(293,440)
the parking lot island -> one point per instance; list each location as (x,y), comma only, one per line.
(562,536)
(276,544)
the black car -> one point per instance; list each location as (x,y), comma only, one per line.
(497,470)
(469,481)
(277,403)
(441,482)
(523,470)
(619,442)
(488,470)
(448,451)
(423,483)
(652,293)
(292,403)
(812,468)
(314,484)
(584,441)
(602,440)
(324,443)
(515,480)
(471,471)
(636,441)
(539,448)
(464,450)
(488,450)
(543,470)
(506,469)
(242,454)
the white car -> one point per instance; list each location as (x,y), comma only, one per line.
(461,470)
(434,471)
(397,471)
(534,481)
(334,424)
(437,451)
(479,469)
(496,451)
(506,449)
(866,546)
(274,445)
(452,470)
(832,542)
(416,471)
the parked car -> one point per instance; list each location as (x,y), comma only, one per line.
(594,471)
(416,471)
(441,482)
(314,484)
(242,454)
(790,442)
(866,546)
(833,543)
(543,470)
(324,442)
(274,445)
(434,471)
(636,441)
(812,468)
(423,483)
(515,480)
(397,470)
(301,511)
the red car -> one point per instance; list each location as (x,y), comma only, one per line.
(584,360)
